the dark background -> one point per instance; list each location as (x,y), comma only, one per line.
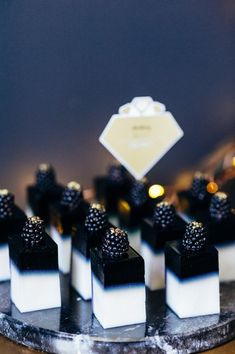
(67,65)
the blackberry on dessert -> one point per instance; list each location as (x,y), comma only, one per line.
(117,277)
(45,192)
(87,235)
(192,274)
(165,225)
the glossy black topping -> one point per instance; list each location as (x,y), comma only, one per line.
(117,174)
(72,195)
(138,193)
(199,184)
(164,214)
(45,177)
(97,218)
(6,203)
(33,231)
(115,243)
(195,237)
(220,206)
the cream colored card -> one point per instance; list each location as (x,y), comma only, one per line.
(140,134)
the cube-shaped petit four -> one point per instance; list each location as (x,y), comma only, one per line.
(192,274)
(132,209)
(42,194)
(35,283)
(165,225)
(87,235)
(118,289)
(12,219)
(68,212)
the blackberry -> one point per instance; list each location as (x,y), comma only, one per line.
(45,177)
(115,243)
(116,174)
(195,237)
(6,203)
(220,206)
(164,214)
(138,193)
(97,218)
(199,184)
(72,196)
(33,231)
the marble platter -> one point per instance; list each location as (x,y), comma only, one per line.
(73,329)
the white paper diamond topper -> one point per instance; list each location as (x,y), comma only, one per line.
(140,134)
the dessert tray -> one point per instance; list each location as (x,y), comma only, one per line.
(73,329)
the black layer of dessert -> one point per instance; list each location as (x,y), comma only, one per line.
(135,206)
(109,189)
(197,198)
(44,192)
(12,218)
(192,256)
(33,249)
(70,210)
(90,233)
(165,225)
(219,219)
(122,266)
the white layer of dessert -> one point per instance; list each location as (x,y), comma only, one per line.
(134,238)
(4,262)
(81,274)
(29,212)
(35,290)
(118,305)
(195,296)
(226,261)
(154,267)
(64,244)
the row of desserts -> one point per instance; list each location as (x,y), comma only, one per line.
(117,274)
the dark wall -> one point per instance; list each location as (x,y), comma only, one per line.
(67,65)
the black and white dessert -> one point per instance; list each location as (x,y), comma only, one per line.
(87,235)
(192,274)
(132,209)
(43,193)
(110,188)
(12,219)
(220,221)
(118,289)
(165,225)
(35,283)
(65,215)
(196,198)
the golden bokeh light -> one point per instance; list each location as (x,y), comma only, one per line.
(212,187)
(155,191)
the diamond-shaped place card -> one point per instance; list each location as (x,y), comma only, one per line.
(140,134)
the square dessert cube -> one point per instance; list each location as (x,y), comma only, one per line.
(153,239)
(12,219)
(192,281)
(35,283)
(220,222)
(65,215)
(86,236)
(132,209)
(197,198)
(118,289)
(42,194)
